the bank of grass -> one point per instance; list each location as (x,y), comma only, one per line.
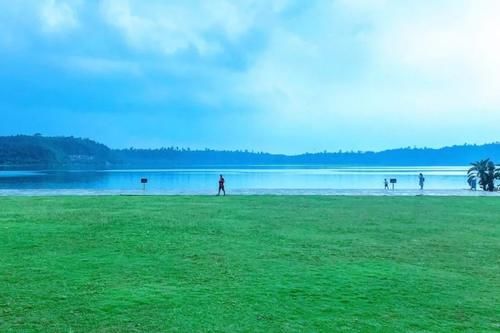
(269,264)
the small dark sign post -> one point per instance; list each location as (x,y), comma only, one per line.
(393,182)
(144,181)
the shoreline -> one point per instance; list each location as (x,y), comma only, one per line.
(249,192)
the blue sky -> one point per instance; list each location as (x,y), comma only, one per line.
(273,75)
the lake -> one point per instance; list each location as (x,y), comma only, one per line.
(238,180)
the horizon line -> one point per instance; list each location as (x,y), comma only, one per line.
(251,151)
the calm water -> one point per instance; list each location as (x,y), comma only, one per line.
(205,180)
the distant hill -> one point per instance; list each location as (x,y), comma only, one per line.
(51,152)
(449,156)
(69,152)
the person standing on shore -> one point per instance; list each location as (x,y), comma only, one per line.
(473,184)
(386,184)
(221,185)
(421,181)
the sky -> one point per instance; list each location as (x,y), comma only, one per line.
(285,76)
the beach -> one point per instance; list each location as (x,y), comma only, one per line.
(246,192)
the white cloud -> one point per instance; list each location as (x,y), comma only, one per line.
(452,44)
(169,27)
(367,68)
(58,16)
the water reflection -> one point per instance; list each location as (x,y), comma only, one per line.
(196,180)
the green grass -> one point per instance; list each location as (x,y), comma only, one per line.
(268,264)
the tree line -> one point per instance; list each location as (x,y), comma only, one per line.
(57,152)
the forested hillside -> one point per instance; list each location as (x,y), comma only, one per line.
(448,156)
(57,152)
(37,150)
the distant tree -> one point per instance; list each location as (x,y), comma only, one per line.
(486,172)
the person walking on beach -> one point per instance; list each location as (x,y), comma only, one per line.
(421,181)
(221,185)
(386,184)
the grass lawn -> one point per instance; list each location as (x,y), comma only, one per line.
(268,264)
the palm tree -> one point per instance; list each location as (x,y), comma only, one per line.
(486,172)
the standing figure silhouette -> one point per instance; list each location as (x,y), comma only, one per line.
(221,185)
(421,181)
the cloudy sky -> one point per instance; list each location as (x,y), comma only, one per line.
(274,75)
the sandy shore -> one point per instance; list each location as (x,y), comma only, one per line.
(333,192)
